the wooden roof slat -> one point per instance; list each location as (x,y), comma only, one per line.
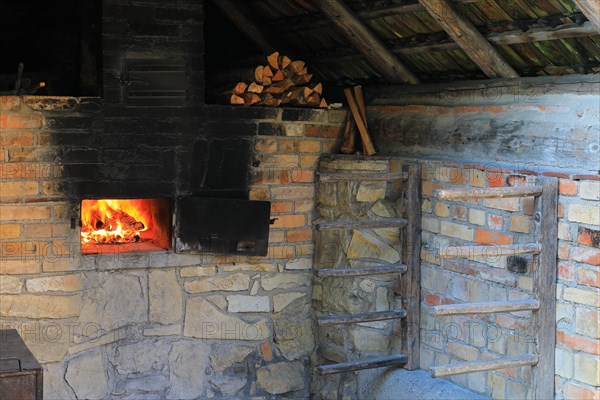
(380,57)
(469,39)
(591,9)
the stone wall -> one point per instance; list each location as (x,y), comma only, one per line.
(491,134)
(146,325)
(347,201)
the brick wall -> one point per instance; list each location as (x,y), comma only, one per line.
(152,324)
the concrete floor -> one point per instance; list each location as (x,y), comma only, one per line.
(400,384)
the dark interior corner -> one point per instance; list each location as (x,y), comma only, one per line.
(59,44)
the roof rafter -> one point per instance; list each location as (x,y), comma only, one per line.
(377,54)
(591,9)
(469,39)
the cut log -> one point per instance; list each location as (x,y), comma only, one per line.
(270,101)
(255,88)
(349,136)
(318,88)
(284,61)
(301,79)
(258,73)
(323,104)
(358,95)
(240,88)
(251,98)
(278,76)
(267,72)
(236,100)
(313,100)
(296,66)
(273,60)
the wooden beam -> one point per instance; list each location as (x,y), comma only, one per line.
(361,176)
(544,289)
(469,367)
(243,17)
(488,307)
(469,39)
(377,54)
(362,224)
(591,9)
(396,268)
(490,193)
(490,250)
(368,363)
(360,318)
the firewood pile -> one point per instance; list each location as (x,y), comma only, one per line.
(280,81)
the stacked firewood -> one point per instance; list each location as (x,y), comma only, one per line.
(279,82)
(356,120)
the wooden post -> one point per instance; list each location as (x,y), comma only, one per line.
(544,289)
(411,280)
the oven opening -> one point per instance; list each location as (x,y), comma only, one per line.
(125,225)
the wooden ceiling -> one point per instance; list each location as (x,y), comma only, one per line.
(424,41)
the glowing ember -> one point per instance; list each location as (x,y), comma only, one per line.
(112,221)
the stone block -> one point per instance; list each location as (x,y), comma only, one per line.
(10,284)
(456,231)
(586,214)
(281,377)
(370,192)
(477,217)
(285,281)
(87,376)
(364,245)
(580,296)
(165,297)
(587,322)
(587,369)
(281,301)
(242,303)
(39,306)
(63,283)
(186,380)
(205,321)
(223,357)
(589,190)
(564,363)
(229,283)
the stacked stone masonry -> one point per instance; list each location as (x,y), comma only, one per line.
(159,325)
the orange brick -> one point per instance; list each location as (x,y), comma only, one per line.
(578,343)
(309,146)
(428,187)
(588,277)
(574,391)
(563,251)
(495,222)
(9,231)
(304,206)
(276,236)
(308,161)
(519,223)
(38,230)
(266,145)
(19,188)
(267,353)
(289,221)
(292,192)
(280,161)
(18,213)
(332,132)
(16,139)
(417,108)
(10,103)
(467,109)
(495,180)
(458,176)
(299,235)
(280,251)
(271,176)
(588,237)
(282,207)
(567,188)
(25,170)
(432,299)
(516,180)
(13,121)
(566,271)
(259,194)
(20,266)
(586,256)
(289,146)
(488,237)
(303,176)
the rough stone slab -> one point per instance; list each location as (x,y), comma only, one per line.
(186,379)
(299,264)
(167,330)
(363,245)
(165,297)
(205,321)
(229,283)
(189,272)
(64,283)
(39,306)
(242,303)
(281,377)
(87,376)
(10,285)
(281,301)
(285,281)
(228,385)
(370,192)
(224,357)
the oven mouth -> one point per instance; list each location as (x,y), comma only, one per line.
(126,225)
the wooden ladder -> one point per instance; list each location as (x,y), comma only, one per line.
(543,303)
(409,268)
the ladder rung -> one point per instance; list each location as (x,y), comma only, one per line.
(490,250)
(468,367)
(363,317)
(491,193)
(361,176)
(362,224)
(486,307)
(367,363)
(397,268)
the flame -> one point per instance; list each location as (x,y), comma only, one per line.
(113,221)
